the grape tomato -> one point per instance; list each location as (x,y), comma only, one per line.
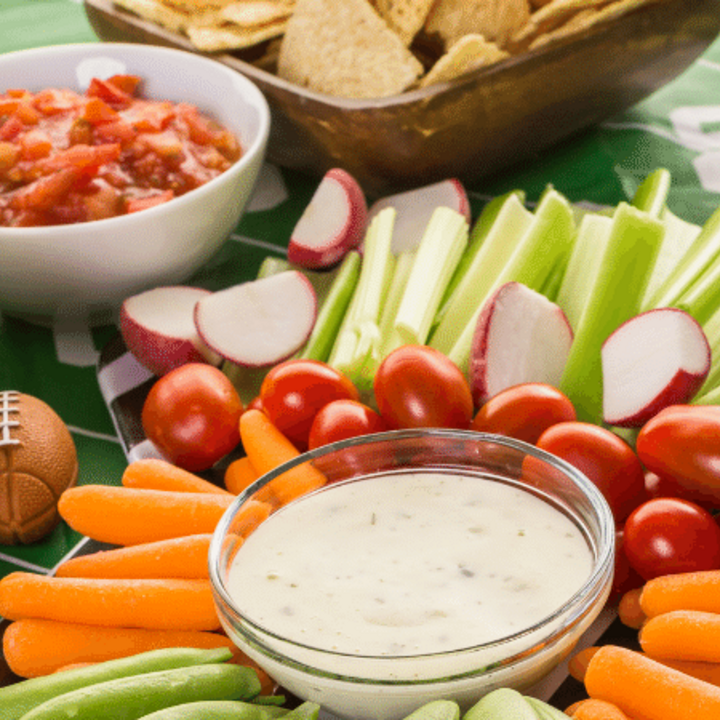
(192,415)
(417,386)
(524,411)
(343,419)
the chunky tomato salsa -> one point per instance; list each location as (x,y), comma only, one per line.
(68,158)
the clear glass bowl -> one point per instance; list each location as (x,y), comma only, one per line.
(389,688)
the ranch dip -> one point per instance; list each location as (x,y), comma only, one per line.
(408,564)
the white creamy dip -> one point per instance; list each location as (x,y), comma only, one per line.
(408,564)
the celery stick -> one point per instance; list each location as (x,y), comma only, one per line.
(273,266)
(546,244)
(700,254)
(702,299)
(652,194)
(479,233)
(359,331)
(679,237)
(712,333)
(615,296)
(438,254)
(582,266)
(389,339)
(712,397)
(333,309)
(246,380)
(507,232)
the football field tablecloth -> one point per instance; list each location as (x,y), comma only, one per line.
(677,128)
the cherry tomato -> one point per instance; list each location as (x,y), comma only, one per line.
(664,536)
(682,444)
(625,577)
(294,391)
(342,419)
(418,386)
(192,415)
(524,411)
(607,460)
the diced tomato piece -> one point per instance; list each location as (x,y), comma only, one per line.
(27,113)
(9,154)
(166,144)
(53,101)
(147,117)
(108,92)
(81,156)
(137,204)
(11,128)
(117,131)
(45,192)
(200,129)
(102,202)
(35,144)
(127,83)
(98,111)
(8,106)
(80,132)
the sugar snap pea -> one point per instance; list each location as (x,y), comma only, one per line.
(305,711)
(436,710)
(20,698)
(130,698)
(218,710)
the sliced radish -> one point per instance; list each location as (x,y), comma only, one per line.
(658,358)
(332,224)
(415,207)
(158,328)
(261,322)
(520,337)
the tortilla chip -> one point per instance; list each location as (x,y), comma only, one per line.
(496,20)
(467,54)
(251,13)
(195,7)
(586,19)
(405,17)
(232,37)
(344,48)
(158,13)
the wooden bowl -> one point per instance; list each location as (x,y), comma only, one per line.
(475,125)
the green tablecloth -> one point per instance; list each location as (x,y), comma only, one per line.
(677,128)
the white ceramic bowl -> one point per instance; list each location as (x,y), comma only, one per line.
(86,270)
(363,686)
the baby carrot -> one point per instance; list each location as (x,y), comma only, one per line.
(183,557)
(239,474)
(164,604)
(592,709)
(682,635)
(629,610)
(21,697)
(36,647)
(648,690)
(267,448)
(130,516)
(157,474)
(682,591)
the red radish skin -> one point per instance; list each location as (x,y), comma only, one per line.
(520,337)
(332,224)
(415,207)
(656,359)
(261,322)
(158,328)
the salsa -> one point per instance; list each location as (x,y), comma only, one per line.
(67,157)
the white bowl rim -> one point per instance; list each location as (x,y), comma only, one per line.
(255,96)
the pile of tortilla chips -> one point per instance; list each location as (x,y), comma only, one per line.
(376,48)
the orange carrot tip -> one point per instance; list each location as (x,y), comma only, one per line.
(157,474)
(682,591)
(239,475)
(593,709)
(682,635)
(630,611)
(577,664)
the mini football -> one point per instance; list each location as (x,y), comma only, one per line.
(38,461)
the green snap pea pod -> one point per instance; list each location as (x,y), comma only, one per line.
(131,698)
(436,710)
(501,704)
(306,711)
(544,711)
(20,698)
(218,710)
